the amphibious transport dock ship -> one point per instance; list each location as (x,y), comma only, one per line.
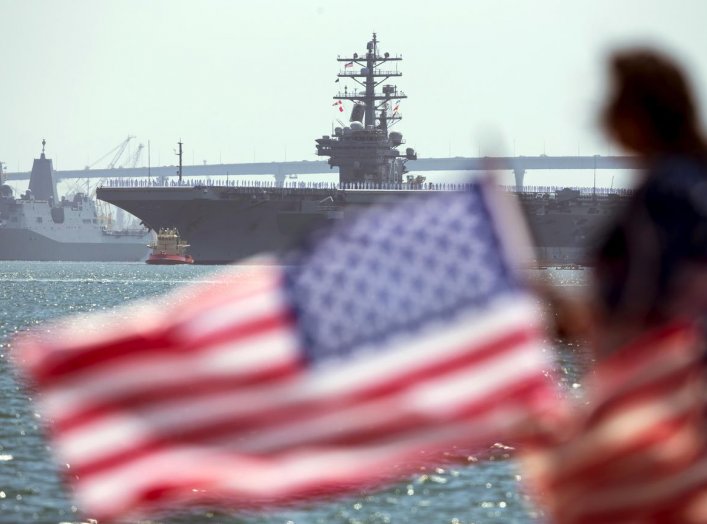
(39,226)
(227,223)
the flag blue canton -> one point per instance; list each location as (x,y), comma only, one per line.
(396,269)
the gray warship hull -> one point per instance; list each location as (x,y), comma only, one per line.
(24,244)
(227,224)
(40,226)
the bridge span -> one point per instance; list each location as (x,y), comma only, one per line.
(518,164)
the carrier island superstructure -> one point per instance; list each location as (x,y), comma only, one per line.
(366,151)
(225,223)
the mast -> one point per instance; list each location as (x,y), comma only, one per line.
(369,72)
(179,154)
(364,151)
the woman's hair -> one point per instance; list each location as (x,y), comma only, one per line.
(652,90)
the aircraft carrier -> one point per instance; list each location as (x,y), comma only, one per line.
(39,226)
(225,223)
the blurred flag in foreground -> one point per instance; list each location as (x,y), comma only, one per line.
(399,335)
(638,453)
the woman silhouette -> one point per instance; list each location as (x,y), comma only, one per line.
(652,265)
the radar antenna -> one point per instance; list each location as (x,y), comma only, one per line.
(369,72)
(364,151)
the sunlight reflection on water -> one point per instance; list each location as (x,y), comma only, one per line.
(467,490)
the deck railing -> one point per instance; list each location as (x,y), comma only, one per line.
(250,185)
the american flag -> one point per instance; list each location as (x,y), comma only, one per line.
(638,453)
(399,335)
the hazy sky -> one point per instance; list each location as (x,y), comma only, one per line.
(245,80)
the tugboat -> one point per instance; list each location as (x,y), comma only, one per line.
(169,249)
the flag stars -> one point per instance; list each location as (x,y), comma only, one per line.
(442,243)
(441,293)
(361,286)
(395,268)
(327,300)
(452,271)
(418,282)
(463,251)
(383,296)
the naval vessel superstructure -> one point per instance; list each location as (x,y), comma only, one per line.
(227,223)
(39,226)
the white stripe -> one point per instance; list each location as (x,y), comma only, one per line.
(635,422)
(480,380)
(118,433)
(434,401)
(175,414)
(248,478)
(619,431)
(644,373)
(232,314)
(374,365)
(230,284)
(641,494)
(429,398)
(370,368)
(78,334)
(229,360)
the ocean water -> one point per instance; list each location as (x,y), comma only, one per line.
(483,489)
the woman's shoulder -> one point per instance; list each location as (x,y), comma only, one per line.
(677,178)
(677,171)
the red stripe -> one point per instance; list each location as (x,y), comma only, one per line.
(186,319)
(234,428)
(277,318)
(602,463)
(668,510)
(165,494)
(408,424)
(51,351)
(288,410)
(669,344)
(160,493)
(160,343)
(646,393)
(191,388)
(612,457)
(224,291)
(657,371)
(636,466)
(651,342)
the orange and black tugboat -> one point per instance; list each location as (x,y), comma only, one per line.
(169,249)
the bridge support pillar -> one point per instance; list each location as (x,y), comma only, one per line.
(519,174)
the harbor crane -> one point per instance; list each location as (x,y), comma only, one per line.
(117,152)
(135,158)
